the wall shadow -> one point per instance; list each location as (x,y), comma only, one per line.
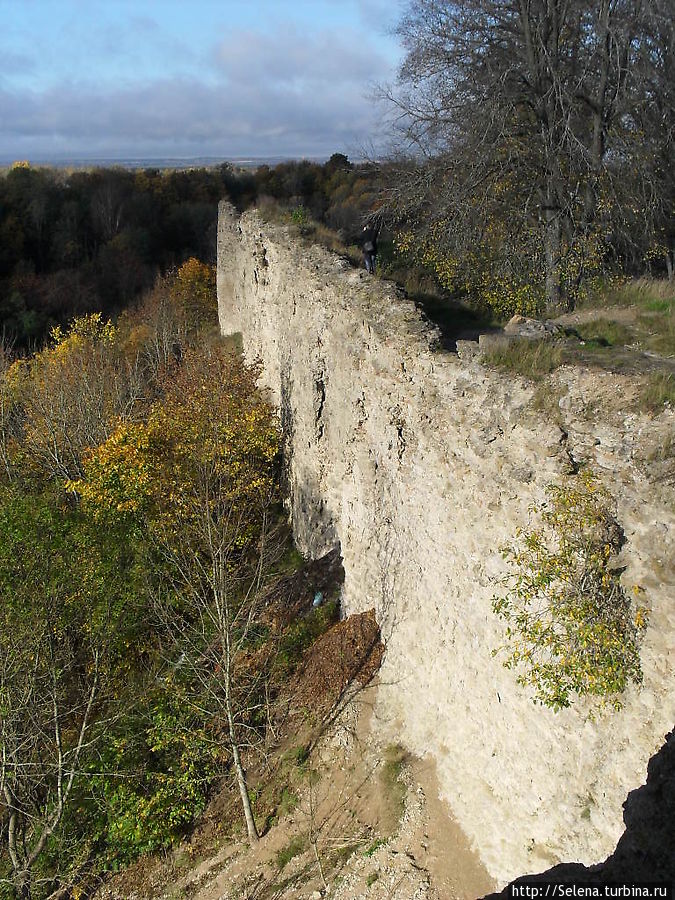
(646,850)
(454,320)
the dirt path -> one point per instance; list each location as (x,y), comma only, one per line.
(368,826)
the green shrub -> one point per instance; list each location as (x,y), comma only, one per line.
(300,215)
(152,784)
(374,847)
(302,633)
(570,626)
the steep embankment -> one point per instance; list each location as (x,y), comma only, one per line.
(422,465)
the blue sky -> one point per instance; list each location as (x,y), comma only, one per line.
(163,78)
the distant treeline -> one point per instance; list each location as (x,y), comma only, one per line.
(78,242)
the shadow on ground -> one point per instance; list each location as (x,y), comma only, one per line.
(646,850)
(454,320)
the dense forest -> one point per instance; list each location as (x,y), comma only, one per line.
(78,242)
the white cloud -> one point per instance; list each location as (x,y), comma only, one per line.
(184,118)
(268,94)
(294,58)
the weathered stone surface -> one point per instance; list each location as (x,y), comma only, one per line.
(532,329)
(467,350)
(422,465)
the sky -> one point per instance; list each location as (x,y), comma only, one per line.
(193,78)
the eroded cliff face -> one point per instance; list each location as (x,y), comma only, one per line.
(421,465)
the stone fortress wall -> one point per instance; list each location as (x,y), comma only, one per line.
(421,464)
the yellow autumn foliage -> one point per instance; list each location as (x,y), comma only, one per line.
(205,456)
(194,292)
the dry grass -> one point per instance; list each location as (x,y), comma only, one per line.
(658,389)
(546,399)
(532,359)
(303,226)
(652,294)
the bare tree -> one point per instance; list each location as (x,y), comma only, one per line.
(44,732)
(107,205)
(527,113)
(212,642)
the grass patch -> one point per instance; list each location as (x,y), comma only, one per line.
(339,857)
(653,324)
(277,888)
(654,294)
(659,305)
(294,848)
(528,358)
(288,802)
(374,847)
(277,797)
(658,389)
(603,332)
(372,878)
(296,756)
(657,332)
(393,786)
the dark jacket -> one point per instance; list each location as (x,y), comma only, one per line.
(369,239)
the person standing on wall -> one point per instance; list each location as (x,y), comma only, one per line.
(369,246)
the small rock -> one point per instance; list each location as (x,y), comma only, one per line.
(532,329)
(467,350)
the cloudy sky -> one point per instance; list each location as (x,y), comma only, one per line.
(176,78)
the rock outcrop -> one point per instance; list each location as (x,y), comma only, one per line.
(422,465)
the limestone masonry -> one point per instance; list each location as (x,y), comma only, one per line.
(421,464)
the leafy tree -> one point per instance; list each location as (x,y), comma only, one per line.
(570,626)
(67,601)
(202,474)
(193,292)
(10,413)
(71,394)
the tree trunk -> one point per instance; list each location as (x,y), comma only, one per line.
(22,885)
(253,835)
(553,240)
